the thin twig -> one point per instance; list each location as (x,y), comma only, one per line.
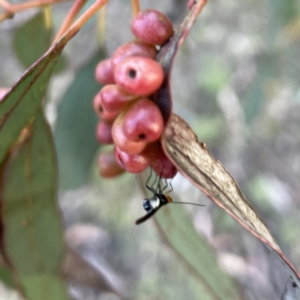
(135,7)
(73,12)
(35,3)
(5,4)
(11,9)
(83,19)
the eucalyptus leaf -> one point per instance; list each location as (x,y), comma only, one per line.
(75,136)
(33,239)
(34,32)
(19,105)
(178,230)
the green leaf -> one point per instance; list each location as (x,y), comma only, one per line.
(7,277)
(44,286)
(178,230)
(75,136)
(33,239)
(32,40)
(21,103)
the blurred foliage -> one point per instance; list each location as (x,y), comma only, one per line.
(33,39)
(21,103)
(248,48)
(75,136)
(29,188)
(30,214)
(195,253)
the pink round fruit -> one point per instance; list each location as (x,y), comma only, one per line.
(143,121)
(114,98)
(139,75)
(152,27)
(103,133)
(136,48)
(104,73)
(131,163)
(159,162)
(101,112)
(108,165)
(122,142)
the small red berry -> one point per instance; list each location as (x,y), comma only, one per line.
(152,26)
(136,48)
(108,165)
(104,73)
(114,98)
(143,121)
(131,163)
(103,133)
(159,162)
(122,142)
(101,112)
(139,75)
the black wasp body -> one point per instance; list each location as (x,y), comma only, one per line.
(159,199)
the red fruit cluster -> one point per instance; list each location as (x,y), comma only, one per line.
(129,118)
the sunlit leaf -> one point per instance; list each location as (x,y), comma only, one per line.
(7,276)
(33,237)
(178,230)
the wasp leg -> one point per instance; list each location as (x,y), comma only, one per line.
(166,185)
(171,190)
(151,189)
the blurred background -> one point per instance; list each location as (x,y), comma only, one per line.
(236,81)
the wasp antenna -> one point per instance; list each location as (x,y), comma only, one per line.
(182,202)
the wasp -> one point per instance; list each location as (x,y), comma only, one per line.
(159,198)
